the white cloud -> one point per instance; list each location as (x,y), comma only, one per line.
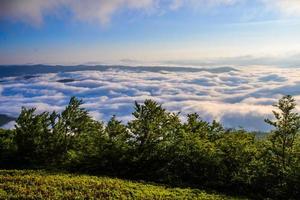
(175,4)
(30,11)
(34,11)
(286,7)
(102,10)
(236,98)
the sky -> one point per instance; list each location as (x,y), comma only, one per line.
(257,40)
(239,32)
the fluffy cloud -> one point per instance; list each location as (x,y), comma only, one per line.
(30,11)
(102,10)
(34,11)
(236,98)
(286,7)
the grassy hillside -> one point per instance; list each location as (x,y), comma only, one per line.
(25,184)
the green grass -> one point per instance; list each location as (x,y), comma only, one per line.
(26,184)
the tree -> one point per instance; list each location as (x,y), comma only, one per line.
(74,119)
(116,130)
(115,150)
(148,127)
(287,125)
(155,145)
(216,131)
(81,135)
(34,137)
(195,125)
(7,148)
(237,151)
(151,128)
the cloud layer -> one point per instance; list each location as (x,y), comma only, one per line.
(235,98)
(34,11)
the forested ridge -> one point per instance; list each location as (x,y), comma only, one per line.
(157,146)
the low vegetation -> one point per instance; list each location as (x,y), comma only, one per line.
(44,185)
(154,146)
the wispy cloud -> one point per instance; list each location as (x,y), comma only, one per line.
(286,7)
(34,11)
(176,4)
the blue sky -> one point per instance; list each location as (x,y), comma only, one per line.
(146,31)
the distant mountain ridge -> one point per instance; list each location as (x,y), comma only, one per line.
(26,70)
(4,119)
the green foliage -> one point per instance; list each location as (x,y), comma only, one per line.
(34,137)
(152,131)
(148,127)
(43,185)
(283,149)
(80,136)
(74,120)
(287,125)
(7,148)
(236,150)
(50,139)
(154,146)
(114,153)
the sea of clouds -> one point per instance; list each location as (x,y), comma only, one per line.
(236,98)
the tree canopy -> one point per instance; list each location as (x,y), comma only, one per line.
(156,145)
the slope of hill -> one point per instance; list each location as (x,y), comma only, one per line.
(24,184)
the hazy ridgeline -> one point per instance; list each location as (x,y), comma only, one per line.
(157,146)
